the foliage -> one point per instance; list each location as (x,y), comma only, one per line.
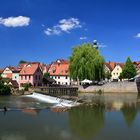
(129,70)
(4,89)
(108,75)
(86,63)
(46,75)
(27,86)
(22,61)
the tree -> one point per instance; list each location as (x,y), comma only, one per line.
(86,63)
(129,70)
(46,75)
(4,89)
(108,75)
(27,86)
(22,61)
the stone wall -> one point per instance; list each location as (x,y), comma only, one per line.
(112,87)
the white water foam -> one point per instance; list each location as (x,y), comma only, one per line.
(54,100)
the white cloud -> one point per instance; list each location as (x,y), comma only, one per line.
(64,25)
(101,45)
(83,38)
(15,21)
(138,35)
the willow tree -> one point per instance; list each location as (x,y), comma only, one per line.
(86,63)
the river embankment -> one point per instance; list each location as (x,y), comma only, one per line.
(111,87)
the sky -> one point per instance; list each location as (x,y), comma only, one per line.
(46,30)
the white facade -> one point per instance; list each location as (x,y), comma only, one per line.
(61,80)
(116,72)
(15,76)
(7,73)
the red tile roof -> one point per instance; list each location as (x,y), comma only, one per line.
(29,69)
(60,67)
(112,65)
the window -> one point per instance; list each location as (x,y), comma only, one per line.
(21,77)
(58,77)
(25,77)
(114,73)
(55,77)
(117,73)
(66,77)
(59,83)
(66,83)
(29,77)
(15,77)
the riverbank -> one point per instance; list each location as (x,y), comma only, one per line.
(111,87)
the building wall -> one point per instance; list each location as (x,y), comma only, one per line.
(25,79)
(35,80)
(7,73)
(62,80)
(15,76)
(116,72)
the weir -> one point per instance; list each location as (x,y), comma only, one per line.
(58,102)
(59,91)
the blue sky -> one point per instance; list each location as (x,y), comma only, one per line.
(45,30)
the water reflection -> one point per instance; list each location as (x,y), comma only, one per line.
(86,122)
(111,117)
(129,112)
(31,111)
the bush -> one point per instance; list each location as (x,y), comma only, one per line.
(4,89)
(27,86)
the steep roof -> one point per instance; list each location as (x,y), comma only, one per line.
(112,65)
(29,69)
(60,67)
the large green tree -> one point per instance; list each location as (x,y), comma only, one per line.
(86,63)
(129,70)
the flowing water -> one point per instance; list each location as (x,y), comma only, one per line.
(113,118)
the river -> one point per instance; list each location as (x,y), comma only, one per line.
(113,118)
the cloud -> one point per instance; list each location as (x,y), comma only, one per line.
(15,21)
(101,45)
(83,38)
(63,26)
(138,35)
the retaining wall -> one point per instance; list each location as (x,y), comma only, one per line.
(112,87)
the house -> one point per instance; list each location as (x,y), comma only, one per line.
(31,73)
(137,66)
(1,71)
(15,74)
(117,71)
(59,71)
(44,68)
(7,72)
